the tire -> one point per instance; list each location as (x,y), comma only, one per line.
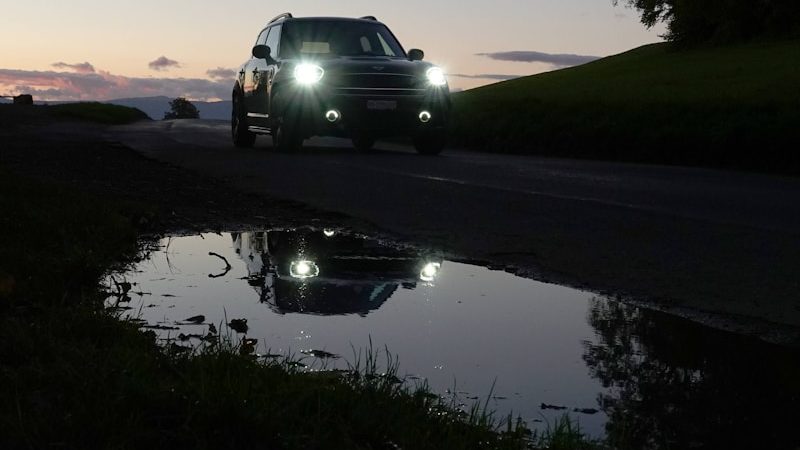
(363,143)
(285,140)
(242,137)
(430,143)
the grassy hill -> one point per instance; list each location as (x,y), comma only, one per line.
(736,106)
(98,112)
(13,115)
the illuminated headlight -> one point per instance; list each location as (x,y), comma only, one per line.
(429,272)
(329,233)
(308,74)
(303,269)
(436,76)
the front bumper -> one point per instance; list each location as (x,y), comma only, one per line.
(378,113)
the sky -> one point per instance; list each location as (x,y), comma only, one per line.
(100,50)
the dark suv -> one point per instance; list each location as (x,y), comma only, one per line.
(319,76)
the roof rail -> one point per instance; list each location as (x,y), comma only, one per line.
(281,16)
(369,18)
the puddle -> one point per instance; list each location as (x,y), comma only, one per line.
(621,371)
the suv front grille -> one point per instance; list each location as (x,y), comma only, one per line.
(375,81)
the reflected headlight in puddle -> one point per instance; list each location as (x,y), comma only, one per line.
(304,269)
(329,233)
(430,271)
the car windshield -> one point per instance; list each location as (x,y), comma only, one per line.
(328,38)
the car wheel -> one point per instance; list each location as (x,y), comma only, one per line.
(430,143)
(363,143)
(242,137)
(284,139)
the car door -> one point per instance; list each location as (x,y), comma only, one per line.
(263,74)
(265,93)
(251,74)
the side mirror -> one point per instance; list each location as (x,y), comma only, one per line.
(416,54)
(262,52)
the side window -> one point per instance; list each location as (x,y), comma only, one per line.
(262,38)
(274,40)
(386,49)
(366,47)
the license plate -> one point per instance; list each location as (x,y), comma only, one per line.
(381,105)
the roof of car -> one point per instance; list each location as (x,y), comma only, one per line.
(312,19)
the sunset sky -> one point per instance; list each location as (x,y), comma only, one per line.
(96,50)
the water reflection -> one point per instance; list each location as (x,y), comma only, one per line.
(324,272)
(534,349)
(676,384)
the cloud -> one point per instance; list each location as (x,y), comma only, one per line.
(102,85)
(485,76)
(163,63)
(557,60)
(78,67)
(221,73)
(41,93)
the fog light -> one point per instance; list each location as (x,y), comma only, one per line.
(424,117)
(332,116)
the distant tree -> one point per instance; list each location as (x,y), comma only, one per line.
(693,21)
(180,108)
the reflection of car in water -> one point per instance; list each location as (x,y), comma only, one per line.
(325,272)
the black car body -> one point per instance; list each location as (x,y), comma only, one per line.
(342,77)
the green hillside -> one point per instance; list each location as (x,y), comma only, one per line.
(99,112)
(731,106)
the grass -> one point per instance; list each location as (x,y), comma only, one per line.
(72,375)
(732,106)
(102,113)
(99,112)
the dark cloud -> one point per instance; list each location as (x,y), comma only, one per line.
(78,67)
(221,73)
(163,63)
(101,85)
(484,76)
(40,93)
(557,60)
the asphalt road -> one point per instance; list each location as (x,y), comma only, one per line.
(686,240)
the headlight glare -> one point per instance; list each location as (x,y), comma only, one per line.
(308,74)
(430,271)
(303,269)
(436,76)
